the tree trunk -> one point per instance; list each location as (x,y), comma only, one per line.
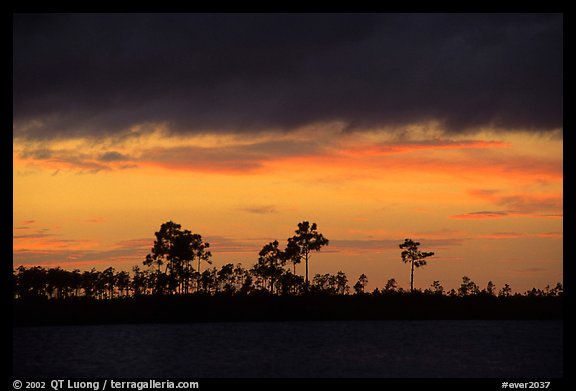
(199,276)
(306,271)
(412,277)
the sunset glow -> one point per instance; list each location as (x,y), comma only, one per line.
(486,197)
(480,204)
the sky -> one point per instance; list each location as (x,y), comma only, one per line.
(443,128)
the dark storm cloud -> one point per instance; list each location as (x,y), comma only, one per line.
(102,74)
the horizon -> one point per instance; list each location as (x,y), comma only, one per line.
(288,267)
(443,128)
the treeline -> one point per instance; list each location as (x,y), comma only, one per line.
(57,283)
(173,267)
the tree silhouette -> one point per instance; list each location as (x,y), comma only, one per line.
(108,281)
(361,284)
(123,282)
(468,287)
(199,249)
(270,263)
(291,283)
(331,284)
(391,285)
(292,253)
(306,240)
(242,279)
(31,282)
(209,280)
(177,249)
(226,279)
(59,284)
(88,283)
(435,288)
(342,287)
(76,281)
(490,287)
(416,257)
(324,283)
(139,281)
(557,290)
(99,285)
(505,291)
(55,283)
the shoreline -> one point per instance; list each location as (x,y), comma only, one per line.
(201,308)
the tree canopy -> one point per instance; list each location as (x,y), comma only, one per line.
(416,258)
(306,240)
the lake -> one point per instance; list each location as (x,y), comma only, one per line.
(347,349)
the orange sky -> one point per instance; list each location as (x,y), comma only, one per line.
(489,204)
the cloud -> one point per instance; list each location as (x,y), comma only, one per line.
(134,244)
(215,160)
(259,209)
(69,253)
(125,253)
(96,220)
(25,225)
(531,270)
(523,203)
(37,154)
(30,232)
(237,157)
(502,235)
(77,159)
(223,244)
(113,156)
(336,157)
(481,215)
(98,75)
(38,235)
(518,235)
(40,242)
(370,245)
(404,146)
(229,159)
(550,235)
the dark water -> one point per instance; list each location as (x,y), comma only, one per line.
(405,349)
